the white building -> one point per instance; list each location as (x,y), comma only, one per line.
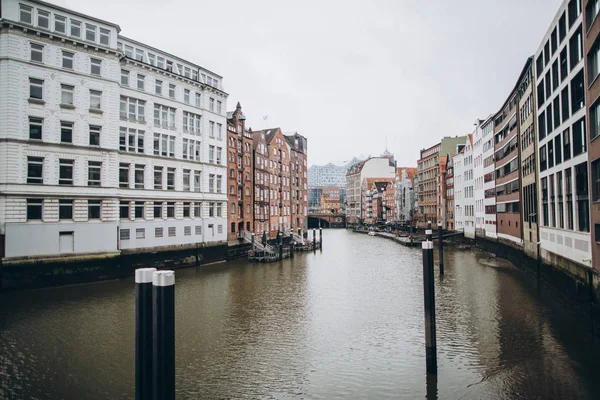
(489,180)
(478,179)
(110,144)
(377,167)
(563,159)
(459,190)
(404,196)
(468,191)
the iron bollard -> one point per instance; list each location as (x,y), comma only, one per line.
(429,295)
(429,235)
(441,245)
(163,335)
(314,240)
(143,333)
(321,238)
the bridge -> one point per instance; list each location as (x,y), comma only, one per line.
(326,220)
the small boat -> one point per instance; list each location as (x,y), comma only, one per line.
(371,233)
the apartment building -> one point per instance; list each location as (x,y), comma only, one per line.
(450,224)
(509,223)
(442,210)
(404,193)
(376,167)
(562,142)
(591,43)
(377,200)
(298,181)
(489,180)
(113,145)
(458,162)
(528,158)
(262,186)
(429,178)
(479,195)
(468,190)
(239,177)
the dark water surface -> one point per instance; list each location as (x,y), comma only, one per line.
(346,323)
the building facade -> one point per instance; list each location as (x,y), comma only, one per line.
(592,66)
(489,178)
(404,196)
(479,195)
(113,145)
(562,146)
(459,190)
(329,174)
(450,224)
(262,188)
(298,182)
(468,191)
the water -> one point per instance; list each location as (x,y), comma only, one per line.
(344,323)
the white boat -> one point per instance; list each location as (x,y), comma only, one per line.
(371,233)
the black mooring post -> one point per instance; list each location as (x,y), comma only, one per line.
(292,249)
(428,224)
(280,234)
(253,238)
(429,295)
(321,238)
(163,335)
(143,333)
(429,235)
(314,240)
(441,245)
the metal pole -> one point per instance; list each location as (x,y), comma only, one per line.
(314,240)
(163,335)
(143,333)
(321,238)
(280,245)
(253,238)
(441,245)
(428,235)
(429,297)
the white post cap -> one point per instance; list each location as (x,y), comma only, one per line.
(439,224)
(163,278)
(144,275)
(429,232)
(427,245)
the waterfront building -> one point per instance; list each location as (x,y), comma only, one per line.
(479,195)
(429,179)
(377,200)
(450,193)
(592,66)
(239,177)
(298,147)
(329,174)
(459,189)
(468,190)
(508,166)
(377,167)
(562,147)
(404,196)
(528,157)
(113,145)
(441,192)
(262,177)
(489,181)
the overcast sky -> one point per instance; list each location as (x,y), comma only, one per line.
(347,74)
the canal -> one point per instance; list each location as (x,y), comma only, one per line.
(344,323)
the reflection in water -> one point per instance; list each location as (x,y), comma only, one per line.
(343,323)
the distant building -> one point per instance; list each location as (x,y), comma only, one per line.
(329,174)
(450,193)
(404,196)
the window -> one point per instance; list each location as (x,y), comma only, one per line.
(219,131)
(164,145)
(35,170)
(164,116)
(140,81)
(219,181)
(186,180)
(170,178)
(212,129)
(219,105)
(133,109)
(574,8)
(596,181)
(158,87)
(158,178)
(576,48)
(36,87)
(131,140)
(124,77)
(550,154)
(66,132)
(65,172)
(43,18)
(186,96)
(211,154)
(211,209)
(124,234)
(94,209)
(95,99)
(35,128)
(566,139)
(565,104)
(219,209)
(595,120)
(198,99)
(170,210)
(581,190)
(549,120)
(577,93)
(67,60)
(94,173)
(123,175)
(95,135)
(124,210)
(569,194)
(139,54)
(191,122)
(591,12)
(37,53)
(34,209)
(25,14)
(186,210)
(579,138)
(557,149)
(211,183)
(219,152)
(158,232)
(543,160)
(104,36)
(66,95)
(158,210)
(542,125)
(171,91)
(90,32)
(139,176)
(197,176)
(197,210)
(564,65)
(172,231)
(593,59)
(65,209)
(140,233)
(60,24)
(75,28)
(138,210)
(95,67)
(212,104)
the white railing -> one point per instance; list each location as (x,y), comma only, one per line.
(247,236)
(297,238)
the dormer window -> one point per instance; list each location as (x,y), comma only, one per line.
(104,36)
(90,32)
(170,66)
(43,19)
(60,24)
(25,14)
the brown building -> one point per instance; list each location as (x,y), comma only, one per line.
(509,223)
(591,44)
(298,181)
(239,175)
(449,192)
(331,200)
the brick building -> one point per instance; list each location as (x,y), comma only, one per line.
(449,185)
(262,188)
(298,181)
